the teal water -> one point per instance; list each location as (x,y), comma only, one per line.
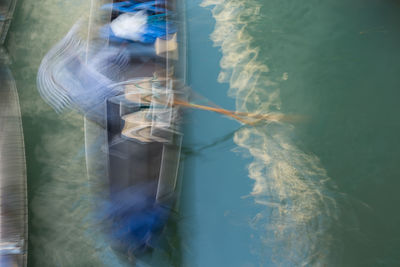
(321,191)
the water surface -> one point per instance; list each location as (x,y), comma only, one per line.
(321,191)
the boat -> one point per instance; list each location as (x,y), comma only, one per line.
(13,187)
(124,77)
(144,136)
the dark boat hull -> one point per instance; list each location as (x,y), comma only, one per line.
(133,168)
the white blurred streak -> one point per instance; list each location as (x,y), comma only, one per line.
(66,80)
(54,94)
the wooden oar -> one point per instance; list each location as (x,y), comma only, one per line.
(243,117)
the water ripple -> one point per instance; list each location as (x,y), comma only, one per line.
(293,186)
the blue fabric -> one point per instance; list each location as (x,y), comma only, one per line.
(156,27)
(154,30)
(132,6)
(136,218)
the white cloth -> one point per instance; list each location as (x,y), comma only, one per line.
(130,26)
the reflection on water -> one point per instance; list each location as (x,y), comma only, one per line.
(290,183)
(328,185)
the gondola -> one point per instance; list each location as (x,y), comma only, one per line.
(144,136)
(13,192)
(125,78)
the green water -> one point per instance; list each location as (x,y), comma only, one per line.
(57,190)
(321,191)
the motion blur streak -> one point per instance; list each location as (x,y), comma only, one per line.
(291,184)
(65,80)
